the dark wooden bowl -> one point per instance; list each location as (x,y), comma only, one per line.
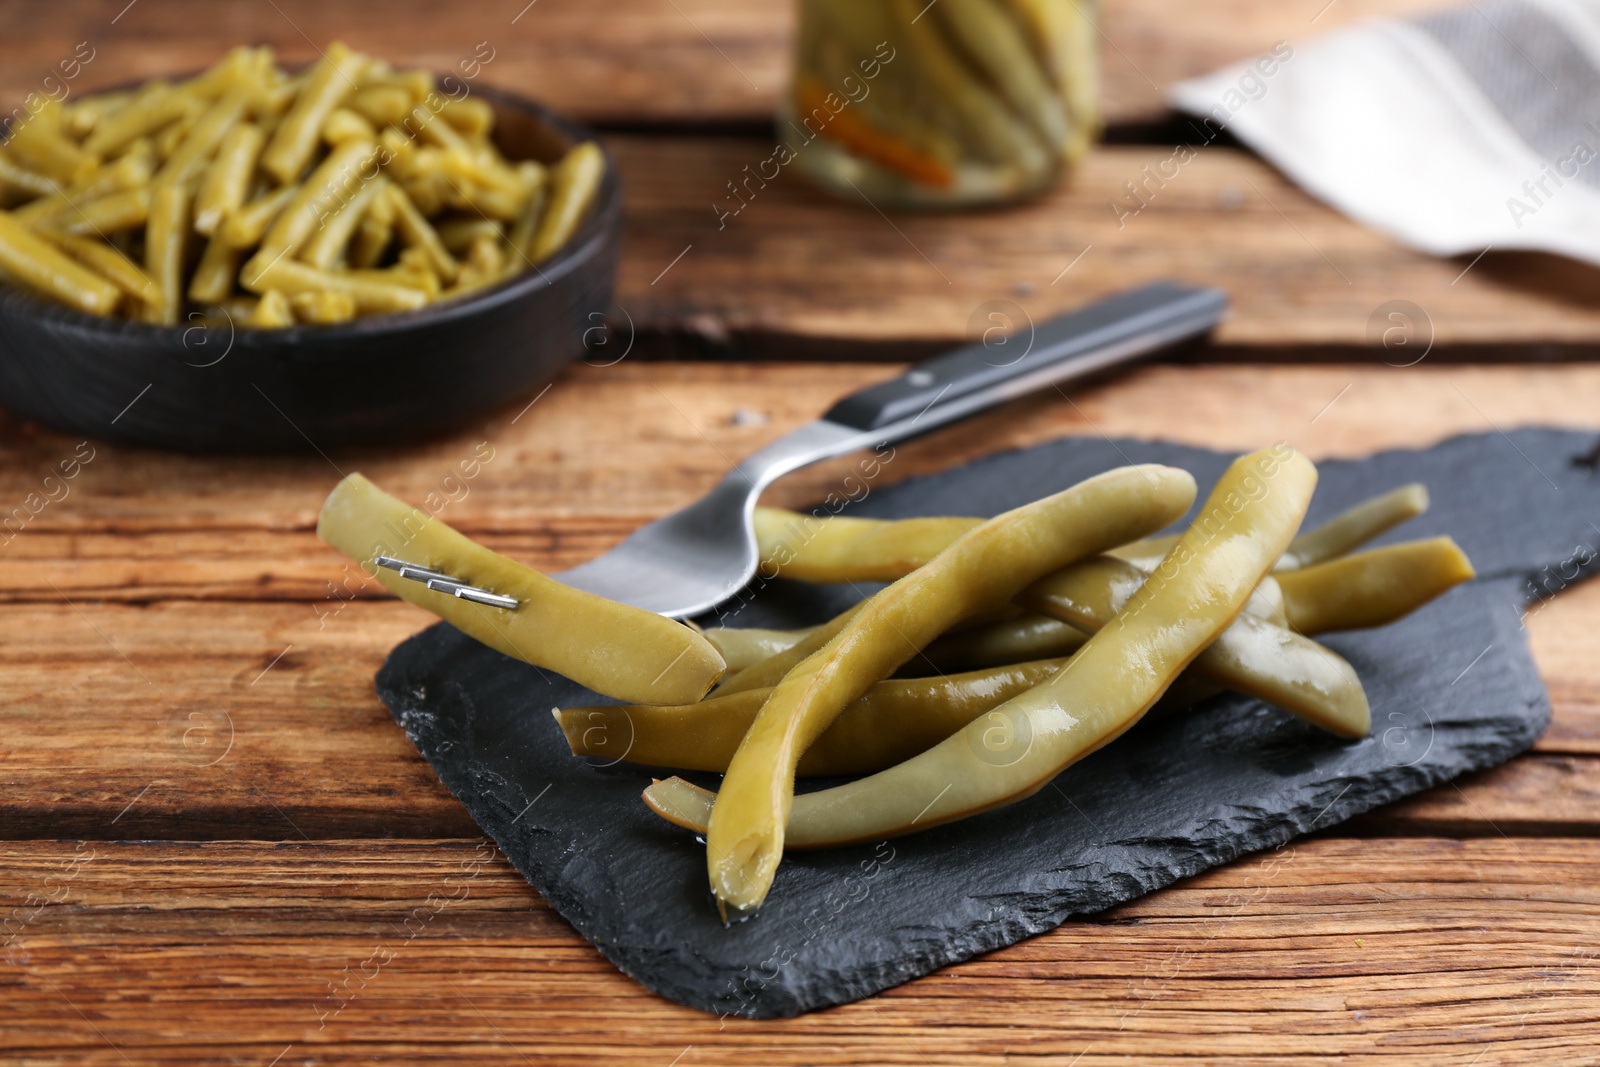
(216,387)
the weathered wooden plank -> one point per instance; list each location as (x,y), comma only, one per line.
(617,60)
(565,464)
(200,720)
(1423,951)
(193,720)
(781,266)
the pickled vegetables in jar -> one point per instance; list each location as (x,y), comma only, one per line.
(948,103)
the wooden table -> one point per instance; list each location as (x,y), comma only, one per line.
(209,825)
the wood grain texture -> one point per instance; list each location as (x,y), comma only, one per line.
(170,603)
(618,60)
(211,721)
(795,270)
(1422,951)
(565,473)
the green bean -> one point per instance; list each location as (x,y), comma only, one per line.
(976,642)
(417,84)
(109,214)
(82,116)
(129,172)
(520,239)
(1027,637)
(457,235)
(1017,749)
(327,246)
(1356,527)
(165,242)
(623,652)
(297,135)
(431,129)
(374,234)
(844,549)
(1344,532)
(1372,588)
(23,179)
(157,105)
(244,227)
(882,125)
(370,294)
(892,721)
(109,263)
(574,182)
(215,273)
(743,648)
(382,105)
(981,571)
(271,312)
(343,124)
(241,62)
(997,46)
(323,307)
(40,144)
(1064,37)
(471,116)
(190,158)
(31,260)
(327,187)
(770,671)
(227,181)
(1251,656)
(985,123)
(465,193)
(417,232)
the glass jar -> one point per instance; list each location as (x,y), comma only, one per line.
(942,103)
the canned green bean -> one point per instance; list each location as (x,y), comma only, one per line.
(942,103)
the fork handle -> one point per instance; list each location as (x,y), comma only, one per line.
(1114,331)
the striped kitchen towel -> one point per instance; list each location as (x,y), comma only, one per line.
(1473,128)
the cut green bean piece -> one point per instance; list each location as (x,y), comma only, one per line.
(165,242)
(300,130)
(333,182)
(574,182)
(227,181)
(27,257)
(109,263)
(326,248)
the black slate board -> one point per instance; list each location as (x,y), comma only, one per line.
(1452,688)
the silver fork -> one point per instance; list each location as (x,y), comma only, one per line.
(696,558)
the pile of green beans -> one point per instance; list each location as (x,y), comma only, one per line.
(958,102)
(1052,636)
(1002,651)
(347,190)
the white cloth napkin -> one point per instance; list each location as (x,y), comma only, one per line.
(1476,127)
